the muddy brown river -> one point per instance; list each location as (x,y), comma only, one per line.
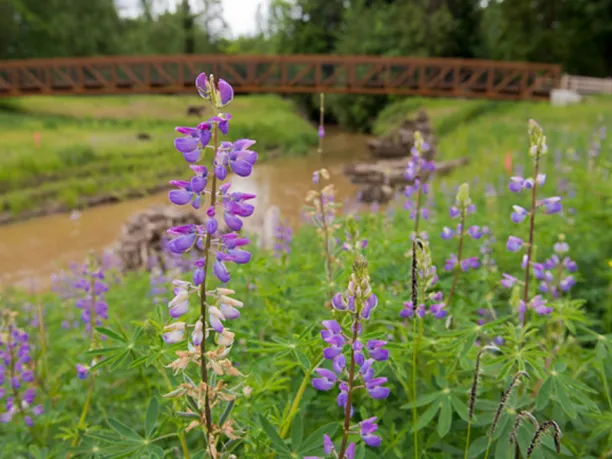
(32,250)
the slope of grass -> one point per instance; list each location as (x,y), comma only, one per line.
(486,131)
(90,146)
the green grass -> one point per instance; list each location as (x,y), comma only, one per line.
(278,340)
(487,130)
(89,145)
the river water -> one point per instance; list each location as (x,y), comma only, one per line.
(32,250)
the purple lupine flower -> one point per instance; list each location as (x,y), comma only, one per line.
(193,141)
(282,239)
(551,205)
(555,274)
(367,429)
(82,371)
(516,184)
(15,360)
(508,281)
(514,244)
(447,233)
(94,308)
(321,132)
(359,302)
(519,214)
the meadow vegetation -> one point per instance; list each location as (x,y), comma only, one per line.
(449,394)
(60,152)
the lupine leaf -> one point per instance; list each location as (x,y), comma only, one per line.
(226,412)
(152,412)
(566,403)
(446,418)
(315,440)
(304,362)
(425,399)
(460,408)
(111,334)
(297,433)
(156,451)
(124,430)
(426,417)
(544,394)
(277,442)
(478,447)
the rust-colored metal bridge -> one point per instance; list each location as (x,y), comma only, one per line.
(282,74)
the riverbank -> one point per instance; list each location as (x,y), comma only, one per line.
(64,153)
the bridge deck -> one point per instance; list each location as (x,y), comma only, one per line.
(282,74)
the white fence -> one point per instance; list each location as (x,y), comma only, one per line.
(586,85)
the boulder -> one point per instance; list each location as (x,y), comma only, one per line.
(399,141)
(142,237)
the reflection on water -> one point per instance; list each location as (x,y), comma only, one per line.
(33,250)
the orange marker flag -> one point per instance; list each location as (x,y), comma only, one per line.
(508,163)
(37,139)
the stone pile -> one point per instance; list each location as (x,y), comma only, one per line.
(380,178)
(143,235)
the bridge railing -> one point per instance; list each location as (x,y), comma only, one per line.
(281,74)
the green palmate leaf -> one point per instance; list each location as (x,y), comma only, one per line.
(133,452)
(111,334)
(124,430)
(139,361)
(156,451)
(460,408)
(152,412)
(277,442)
(137,333)
(423,400)
(315,441)
(426,417)
(544,394)
(564,399)
(302,359)
(297,433)
(103,351)
(446,418)
(228,409)
(478,447)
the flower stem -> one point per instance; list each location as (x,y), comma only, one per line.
(417,217)
(295,405)
(415,416)
(605,384)
(328,260)
(86,406)
(351,382)
(467,440)
(531,233)
(488,447)
(43,343)
(459,255)
(203,304)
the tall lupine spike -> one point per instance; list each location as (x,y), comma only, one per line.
(474,387)
(457,263)
(216,306)
(419,171)
(323,215)
(555,273)
(351,360)
(520,417)
(17,385)
(504,399)
(537,149)
(546,427)
(424,279)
